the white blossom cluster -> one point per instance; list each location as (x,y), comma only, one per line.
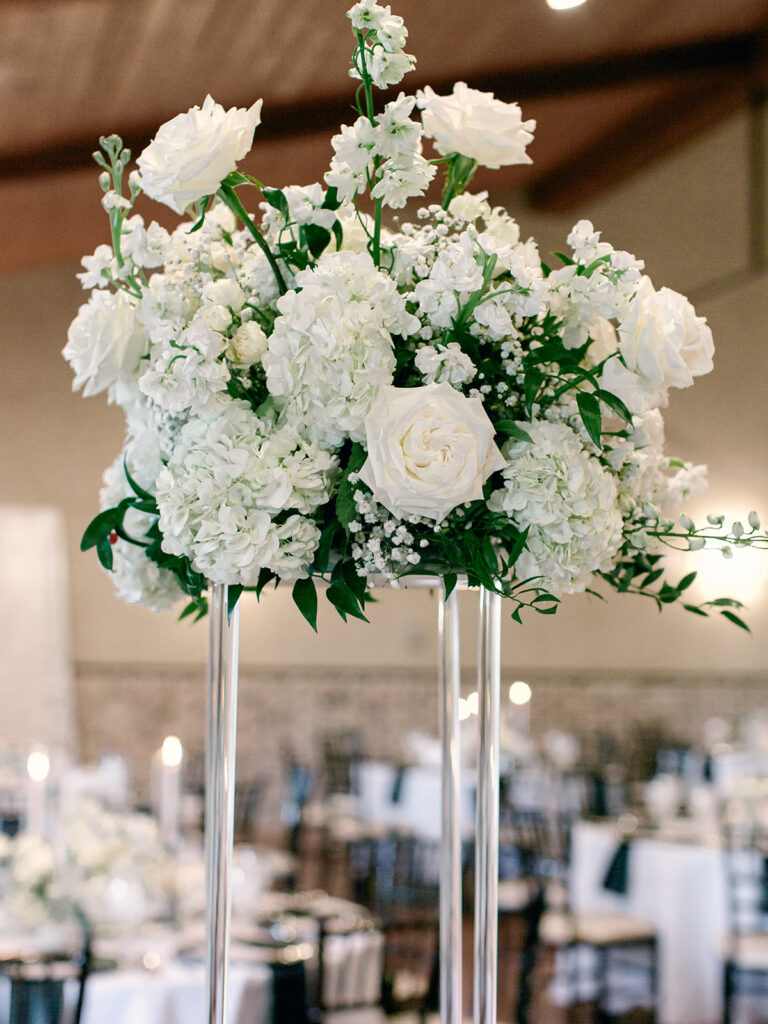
(236,495)
(382,545)
(568,501)
(385,35)
(384,153)
(331,348)
(95,847)
(599,283)
(315,387)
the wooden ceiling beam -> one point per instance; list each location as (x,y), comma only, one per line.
(730,56)
(635,143)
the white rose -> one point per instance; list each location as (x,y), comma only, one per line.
(663,340)
(247,345)
(429,450)
(477,125)
(192,153)
(104,342)
(470,207)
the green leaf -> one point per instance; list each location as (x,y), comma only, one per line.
(696,610)
(511,428)
(199,222)
(450,579)
(615,404)
(331,201)
(338,233)
(317,239)
(189,609)
(652,577)
(532,381)
(685,582)
(277,200)
(342,598)
(103,524)
(736,620)
(138,491)
(265,577)
(725,602)
(104,551)
(304,596)
(589,410)
(567,260)
(233,596)
(346,509)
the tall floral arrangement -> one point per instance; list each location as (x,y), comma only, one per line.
(323,393)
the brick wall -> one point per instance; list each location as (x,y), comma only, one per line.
(131,710)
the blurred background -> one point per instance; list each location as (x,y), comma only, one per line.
(652,121)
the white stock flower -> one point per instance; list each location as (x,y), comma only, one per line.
(438,363)
(192,153)
(470,207)
(568,502)
(104,342)
(331,348)
(429,449)
(99,269)
(477,125)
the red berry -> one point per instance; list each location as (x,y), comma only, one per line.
(113,538)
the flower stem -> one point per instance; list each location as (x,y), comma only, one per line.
(232,200)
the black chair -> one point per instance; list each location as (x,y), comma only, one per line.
(37,986)
(298,780)
(397,876)
(623,946)
(342,752)
(249,802)
(745,968)
(349,968)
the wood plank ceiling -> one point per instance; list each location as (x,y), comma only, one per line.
(613,84)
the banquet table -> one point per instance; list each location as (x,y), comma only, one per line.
(679,884)
(409,798)
(171,987)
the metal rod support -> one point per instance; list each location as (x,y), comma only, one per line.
(220,794)
(487,832)
(449,677)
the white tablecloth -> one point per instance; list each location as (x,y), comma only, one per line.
(681,888)
(175,995)
(418,807)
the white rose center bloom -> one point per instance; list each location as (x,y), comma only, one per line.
(104,342)
(429,450)
(192,153)
(477,125)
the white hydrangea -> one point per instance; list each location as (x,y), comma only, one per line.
(186,372)
(439,363)
(331,347)
(230,475)
(137,579)
(569,503)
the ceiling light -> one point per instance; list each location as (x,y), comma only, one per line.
(564,5)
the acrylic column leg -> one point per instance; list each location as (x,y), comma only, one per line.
(449,673)
(220,794)
(487,833)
